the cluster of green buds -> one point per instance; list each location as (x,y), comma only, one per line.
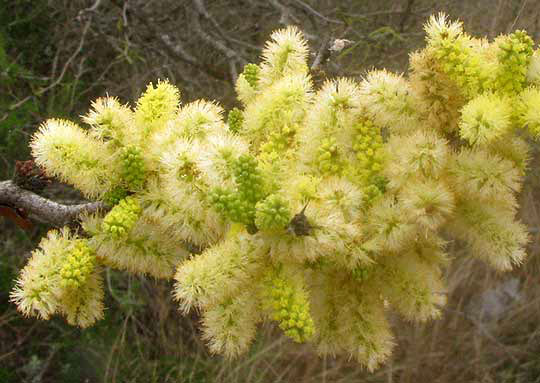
(328,156)
(375,189)
(272,213)
(133,171)
(235,119)
(248,178)
(514,55)
(461,64)
(251,74)
(231,206)
(77,266)
(121,219)
(367,145)
(239,205)
(279,140)
(290,308)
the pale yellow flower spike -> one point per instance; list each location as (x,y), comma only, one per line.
(62,277)
(285,54)
(66,151)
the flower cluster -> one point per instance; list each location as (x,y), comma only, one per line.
(320,209)
(328,157)
(61,277)
(272,213)
(120,220)
(78,266)
(235,120)
(251,74)
(239,204)
(515,52)
(133,168)
(289,306)
(458,55)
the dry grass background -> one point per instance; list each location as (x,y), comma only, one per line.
(490,330)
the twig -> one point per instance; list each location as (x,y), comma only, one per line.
(318,14)
(231,55)
(199,4)
(322,54)
(405,15)
(522,7)
(286,15)
(43,209)
(62,73)
(174,52)
(93,7)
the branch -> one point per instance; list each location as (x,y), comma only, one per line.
(231,55)
(322,54)
(42,209)
(318,14)
(174,52)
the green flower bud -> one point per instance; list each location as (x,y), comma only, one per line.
(77,266)
(462,64)
(235,120)
(251,74)
(279,140)
(272,213)
(289,305)
(328,157)
(361,273)
(133,168)
(121,219)
(248,178)
(515,52)
(367,145)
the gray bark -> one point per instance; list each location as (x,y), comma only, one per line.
(43,209)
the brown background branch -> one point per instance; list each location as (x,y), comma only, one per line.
(42,209)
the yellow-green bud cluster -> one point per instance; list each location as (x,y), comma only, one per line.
(515,53)
(133,168)
(222,199)
(249,179)
(461,65)
(120,220)
(374,190)
(235,120)
(239,205)
(272,213)
(328,157)
(279,140)
(290,308)
(251,74)
(367,145)
(115,195)
(231,206)
(77,266)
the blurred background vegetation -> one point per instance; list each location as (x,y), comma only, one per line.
(56,56)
